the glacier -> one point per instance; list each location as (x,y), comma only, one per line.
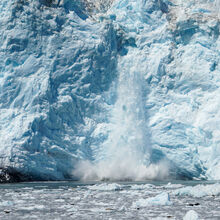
(123,89)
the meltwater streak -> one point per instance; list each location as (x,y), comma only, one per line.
(126,151)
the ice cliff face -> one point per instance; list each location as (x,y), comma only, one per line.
(109,89)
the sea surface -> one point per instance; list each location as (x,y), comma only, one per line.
(110,200)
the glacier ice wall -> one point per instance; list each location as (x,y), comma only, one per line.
(109,89)
(55,66)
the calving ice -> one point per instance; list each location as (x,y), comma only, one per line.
(109,89)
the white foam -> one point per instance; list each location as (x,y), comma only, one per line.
(126,169)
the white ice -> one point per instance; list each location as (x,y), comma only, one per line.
(191,215)
(198,190)
(161,199)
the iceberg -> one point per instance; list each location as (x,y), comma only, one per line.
(198,191)
(191,215)
(161,199)
(123,89)
(106,187)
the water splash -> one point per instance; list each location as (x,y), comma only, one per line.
(125,155)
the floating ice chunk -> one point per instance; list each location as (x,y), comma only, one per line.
(33,207)
(141,187)
(161,199)
(170,185)
(6,203)
(191,215)
(73,209)
(123,208)
(199,190)
(106,187)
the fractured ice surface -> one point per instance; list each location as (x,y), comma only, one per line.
(128,87)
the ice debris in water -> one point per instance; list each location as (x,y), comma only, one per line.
(191,215)
(161,199)
(198,190)
(66,200)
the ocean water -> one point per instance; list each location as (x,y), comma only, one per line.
(110,200)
